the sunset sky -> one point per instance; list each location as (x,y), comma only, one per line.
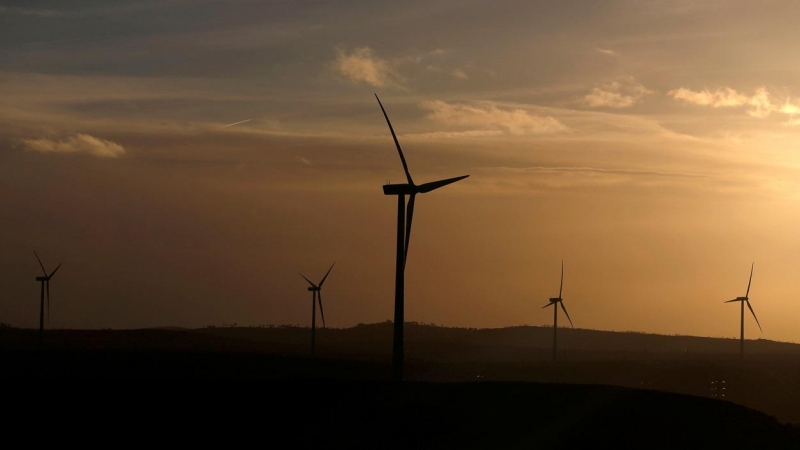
(651,145)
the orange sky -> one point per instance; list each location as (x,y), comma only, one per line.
(651,146)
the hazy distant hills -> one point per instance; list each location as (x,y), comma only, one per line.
(423,342)
(523,343)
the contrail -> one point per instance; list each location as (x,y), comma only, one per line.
(236,123)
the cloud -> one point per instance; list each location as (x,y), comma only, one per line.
(761,104)
(79,143)
(361,66)
(488,116)
(789,108)
(720,98)
(606,51)
(434,135)
(236,123)
(460,74)
(622,93)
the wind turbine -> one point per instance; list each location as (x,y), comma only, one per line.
(554,302)
(316,295)
(744,300)
(404,216)
(45,282)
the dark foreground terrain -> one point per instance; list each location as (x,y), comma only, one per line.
(464,389)
(216,397)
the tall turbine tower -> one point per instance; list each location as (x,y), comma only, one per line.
(743,300)
(554,302)
(316,296)
(404,216)
(45,283)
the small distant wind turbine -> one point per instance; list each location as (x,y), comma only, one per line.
(554,302)
(743,300)
(404,216)
(45,282)
(316,295)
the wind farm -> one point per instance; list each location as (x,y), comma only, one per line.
(623,365)
(190,162)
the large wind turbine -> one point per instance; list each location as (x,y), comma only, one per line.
(554,302)
(45,282)
(404,216)
(316,295)
(744,300)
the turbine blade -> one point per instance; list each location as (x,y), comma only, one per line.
(747,295)
(562,279)
(433,185)
(545,306)
(309,281)
(54,272)
(321,312)
(754,315)
(734,300)
(409,217)
(40,263)
(396,143)
(326,275)
(565,312)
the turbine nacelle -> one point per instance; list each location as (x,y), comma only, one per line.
(42,278)
(555,300)
(313,288)
(399,189)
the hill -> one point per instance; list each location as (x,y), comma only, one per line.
(704,367)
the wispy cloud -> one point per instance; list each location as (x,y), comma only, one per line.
(435,135)
(79,143)
(568,177)
(489,116)
(236,123)
(622,93)
(361,66)
(761,104)
(460,74)
(720,98)
(606,51)
(586,169)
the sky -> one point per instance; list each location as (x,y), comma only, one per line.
(184,160)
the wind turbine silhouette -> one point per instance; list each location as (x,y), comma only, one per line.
(554,302)
(316,295)
(404,217)
(45,282)
(744,300)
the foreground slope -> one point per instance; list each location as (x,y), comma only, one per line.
(323,403)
